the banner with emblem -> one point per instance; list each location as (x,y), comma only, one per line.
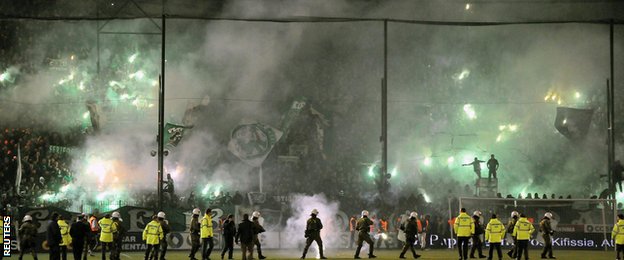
(173,134)
(253,141)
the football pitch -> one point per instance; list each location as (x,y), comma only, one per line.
(348,254)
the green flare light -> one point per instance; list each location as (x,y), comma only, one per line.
(4,76)
(133,57)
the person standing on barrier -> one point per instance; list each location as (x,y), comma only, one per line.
(547,232)
(229,231)
(194,230)
(522,231)
(363,227)
(464,227)
(411,230)
(617,235)
(477,244)
(313,233)
(494,234)
(510,228)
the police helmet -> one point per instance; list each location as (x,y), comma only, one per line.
(314,212)
(196,211)
(116,215)
(27,218)
(548,215)
(364,213)
(514,213)
(255,214)
(413,214)
(161,214)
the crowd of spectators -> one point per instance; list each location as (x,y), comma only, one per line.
(45,169)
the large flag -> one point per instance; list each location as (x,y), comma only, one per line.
(253,141)
(18,177)
(173,134)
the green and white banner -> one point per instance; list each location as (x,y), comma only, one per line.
(253,141)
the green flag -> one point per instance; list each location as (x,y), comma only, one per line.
(173,134)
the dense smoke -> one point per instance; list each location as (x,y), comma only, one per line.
(301,207)
(455,93)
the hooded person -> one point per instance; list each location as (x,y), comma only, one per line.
(313,233)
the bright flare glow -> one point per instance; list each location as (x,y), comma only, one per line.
(138,75)
(4,76)
(394,171)
(450,160)
(502,127)
(65,188)
(205,189)
(427,161)
(81,85)
(85,115)
(464,74)
(499,138)
(427,199)
(384,236)
(559,102)
(133,57)
(467,6)
(565,120)
(577,95)
(154,83)
(371,170)
(513,128)
(470,111)
(124,96)
(71,57)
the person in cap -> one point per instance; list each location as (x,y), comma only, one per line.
(411,231)
(152,234)
(117,236)
(79,233)
(166,230)
(494,234)
(258,229)
(547,232)
(229,231)
(195,229)
(477,244)
(617,234)
(363,227)
(245,235)
(28,236)
(107,229)
(464,227)
(313,233)
(510,227)
(522,231)
(65,237)
(207,234)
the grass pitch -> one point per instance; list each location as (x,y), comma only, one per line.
(348,254)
